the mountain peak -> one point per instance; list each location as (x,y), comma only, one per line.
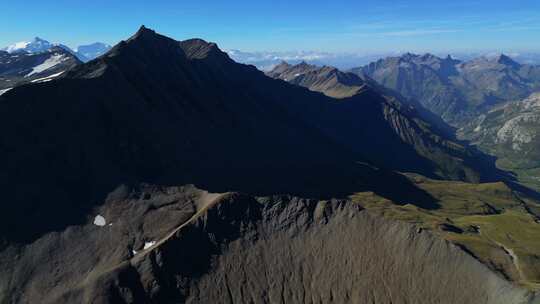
(506,60)
(197,48)
(37,39)
(148,39)
(304,64)
(142,32)
(283,63)
(35,46)
(408,57)
(428,56)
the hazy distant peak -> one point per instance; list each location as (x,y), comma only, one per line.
(506,60)
(283,63)
(90,51)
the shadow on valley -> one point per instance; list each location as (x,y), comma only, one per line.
(34,207)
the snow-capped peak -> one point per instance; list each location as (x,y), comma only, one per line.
(35,46)
(16,46)
(38,45)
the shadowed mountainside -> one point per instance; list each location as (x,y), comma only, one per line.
(166,112)
(416,127)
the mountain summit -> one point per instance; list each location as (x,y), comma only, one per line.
(35,46)
(506,60)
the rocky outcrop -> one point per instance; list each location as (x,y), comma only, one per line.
(509,131)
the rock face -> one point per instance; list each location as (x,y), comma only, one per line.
(512,128)
(512,133)
(453,89)
(327,80)
(235,248)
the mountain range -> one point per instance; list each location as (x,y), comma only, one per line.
(21,67)
(417,128)
(165,172)
(453,89)
(83,52)
(267,60)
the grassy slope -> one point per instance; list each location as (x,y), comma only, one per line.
(528,176)
(489,220)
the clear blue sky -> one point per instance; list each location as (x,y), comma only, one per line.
(278,25)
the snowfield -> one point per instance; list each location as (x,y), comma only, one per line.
(47,64)
(48,78)
(4,90)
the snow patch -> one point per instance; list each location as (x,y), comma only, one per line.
(99,221)
(4,90)
(47,64)
(48,78)
(148,245)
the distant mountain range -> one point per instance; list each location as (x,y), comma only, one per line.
(266,61)
(83,52)
(20,67)
(456,90)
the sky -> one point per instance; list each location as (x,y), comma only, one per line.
(367,26)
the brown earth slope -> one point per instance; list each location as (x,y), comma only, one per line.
(234,248)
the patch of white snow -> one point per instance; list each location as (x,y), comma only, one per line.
(48,78)
(99,221)
(47,64)
(4,90)
(148,245)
